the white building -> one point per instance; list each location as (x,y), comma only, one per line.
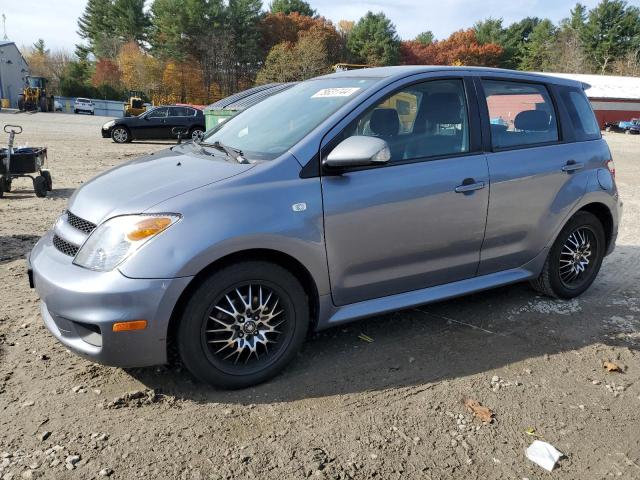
(612,98)
(13,70)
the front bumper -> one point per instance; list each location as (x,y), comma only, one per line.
(106,132)
(80,306)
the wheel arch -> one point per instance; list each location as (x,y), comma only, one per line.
(284,260)
(602,213)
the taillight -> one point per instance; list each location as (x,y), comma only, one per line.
(612,168)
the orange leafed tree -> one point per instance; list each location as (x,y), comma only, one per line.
(107,72)
(279,28)
(183,83)
(461,48)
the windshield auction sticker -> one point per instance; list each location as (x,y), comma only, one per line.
(335,92)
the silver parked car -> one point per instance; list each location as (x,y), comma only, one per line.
(345,196)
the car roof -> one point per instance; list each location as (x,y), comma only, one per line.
(402,71)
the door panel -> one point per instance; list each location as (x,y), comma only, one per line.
(530,196)
(154,124)
(403,227)
(535,182)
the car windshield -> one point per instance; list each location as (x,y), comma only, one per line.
(270,128)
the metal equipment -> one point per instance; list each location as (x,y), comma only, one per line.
(23,162)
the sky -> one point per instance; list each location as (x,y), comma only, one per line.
(55,20)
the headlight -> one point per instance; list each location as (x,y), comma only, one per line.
(114,240)
(109,124)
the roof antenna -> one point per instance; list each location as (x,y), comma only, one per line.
(4,27)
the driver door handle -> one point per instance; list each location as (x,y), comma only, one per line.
(469,185)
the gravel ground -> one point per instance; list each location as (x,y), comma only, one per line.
(345,408)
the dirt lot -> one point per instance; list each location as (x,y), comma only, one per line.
(346,408)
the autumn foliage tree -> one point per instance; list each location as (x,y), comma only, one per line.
(276,28)
(106,72)
(461,48)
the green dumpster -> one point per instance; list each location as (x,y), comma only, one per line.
(214,117)
(222,110)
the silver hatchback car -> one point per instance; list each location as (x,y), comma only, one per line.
(346,196)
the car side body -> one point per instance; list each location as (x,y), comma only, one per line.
(360,241)
(157,123)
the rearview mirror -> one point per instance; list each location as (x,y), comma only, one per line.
(358,151)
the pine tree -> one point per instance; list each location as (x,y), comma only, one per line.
(374,40)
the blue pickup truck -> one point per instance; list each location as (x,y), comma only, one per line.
(629,127)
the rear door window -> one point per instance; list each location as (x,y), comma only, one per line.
(158,113)
(180,112)
(582,117)
(521,114)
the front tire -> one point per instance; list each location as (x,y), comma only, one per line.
(40,186)
(574,259)
(120,135)
(243,325)
(47,176)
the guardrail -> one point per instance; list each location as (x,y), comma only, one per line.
(107,108)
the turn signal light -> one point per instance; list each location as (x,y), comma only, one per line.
(148,227)
(129,326)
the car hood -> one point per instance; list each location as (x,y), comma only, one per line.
(138,185)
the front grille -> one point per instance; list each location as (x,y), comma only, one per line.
(64,246)
(80,223)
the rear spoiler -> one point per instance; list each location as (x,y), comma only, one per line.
(585,86)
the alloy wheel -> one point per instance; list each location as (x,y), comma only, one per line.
(120,135)
(246,328)
(196,135)
(577,257)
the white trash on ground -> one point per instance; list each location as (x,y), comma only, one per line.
(544,454)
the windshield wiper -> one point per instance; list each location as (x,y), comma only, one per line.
(234,153)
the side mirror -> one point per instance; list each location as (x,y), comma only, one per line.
(358,151)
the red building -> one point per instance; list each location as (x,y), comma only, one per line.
(612,98)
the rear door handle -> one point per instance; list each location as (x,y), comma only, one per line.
(469,185)
(572,166)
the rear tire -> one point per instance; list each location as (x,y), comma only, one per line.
(21,103)
(574,259)
(196,133)
(243,347)
(40,186)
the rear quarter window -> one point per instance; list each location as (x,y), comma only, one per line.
(583,120)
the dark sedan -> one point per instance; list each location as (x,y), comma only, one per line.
(156,123)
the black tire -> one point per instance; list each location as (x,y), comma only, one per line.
(5,184)
(197,346)
(47,176)
(120,134)
(196,130)
(40,186)
(2,186)
(551,281)
(75,110)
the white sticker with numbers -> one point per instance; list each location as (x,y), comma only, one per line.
(335,92)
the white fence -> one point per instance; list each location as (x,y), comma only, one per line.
(107,108)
